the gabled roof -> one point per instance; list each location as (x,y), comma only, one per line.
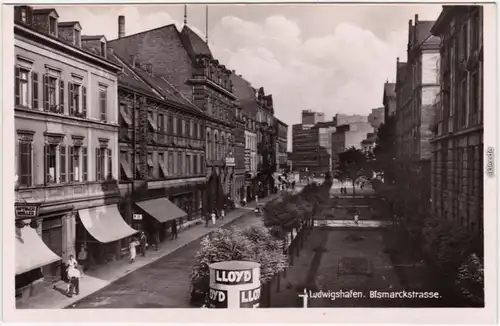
(93,37)
(46,11)
(193,42)
(245,93)
(69,24)
(423,31)
(389,90)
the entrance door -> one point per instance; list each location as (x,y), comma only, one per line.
(52,237)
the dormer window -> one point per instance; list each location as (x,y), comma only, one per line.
(24,15)
(103,49)
(76,37)
(52,25)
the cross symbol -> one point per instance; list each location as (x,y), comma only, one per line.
(304,297)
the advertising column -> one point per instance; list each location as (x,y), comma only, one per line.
(234,284)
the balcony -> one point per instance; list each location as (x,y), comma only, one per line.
(67,193)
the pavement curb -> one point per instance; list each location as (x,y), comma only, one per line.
(171,252)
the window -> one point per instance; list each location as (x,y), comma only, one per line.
(110,164)
(188,128)
(150,165)
(85,166)
(179,163)
(103,49)
(179,127)
(202,163)
(21,87)
(24,15)
(474,98)
(188,164)
(52,25)
(170,125)
(62,163)
(100,157)
(74,91)
(161,163)
(34,97)
(50,163)
(51,95)
(25,163)
(74,163)
(103,95)
(170,163)
(195,164)
(463,103)
(161,123)
(76,38)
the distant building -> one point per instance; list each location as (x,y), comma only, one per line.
(281,145)
(349,135)
(389,99)
(457,143)
(368,144)
(376,117)
(344,119)
(310,118)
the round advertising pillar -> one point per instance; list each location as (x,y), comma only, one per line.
(234,284)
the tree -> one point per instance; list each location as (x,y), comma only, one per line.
(252,244)
(385,149)
(352,165)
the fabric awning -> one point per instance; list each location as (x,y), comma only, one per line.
(163,168)
(105,223)
(125,116)
(126,168)
(152,124)
(31,251)
(162,209)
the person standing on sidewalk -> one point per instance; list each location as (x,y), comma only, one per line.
(213,217)
(222,213)
(144,242)
(74,281)
(207,219)
(174,229)
(132,247)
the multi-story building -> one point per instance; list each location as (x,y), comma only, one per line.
(457,157)
(312,147)
(389,100)
(310,118)
(416,92)
(344,119)
(281,145)
(66,123)
(368,144)
(162,150)
(184,60)
(266,143)
(247,108)
(376,118)
(349,135)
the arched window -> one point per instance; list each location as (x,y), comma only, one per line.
(208,145)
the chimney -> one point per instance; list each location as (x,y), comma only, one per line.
(121,26)
(416,19)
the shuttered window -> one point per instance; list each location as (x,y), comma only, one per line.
(34,98)
(25,163)
(103,94)
(62,163)
(110,164)
(84,101)
(85,167)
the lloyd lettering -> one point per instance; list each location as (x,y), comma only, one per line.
(233,277)
(250,296)
(216,295)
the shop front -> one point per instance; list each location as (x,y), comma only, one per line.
(158,215)
(102,234)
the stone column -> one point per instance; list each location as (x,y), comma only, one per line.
(69,235)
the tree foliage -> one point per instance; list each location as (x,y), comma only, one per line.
(353,164)
(385,148)
(470,279)
(251,244)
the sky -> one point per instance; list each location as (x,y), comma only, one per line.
(331,58)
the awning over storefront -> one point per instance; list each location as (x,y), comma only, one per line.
(105,223)
(162,209)
(31,251)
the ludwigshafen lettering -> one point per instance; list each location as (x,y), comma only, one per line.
(146,164)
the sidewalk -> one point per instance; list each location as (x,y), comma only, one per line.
(92,281)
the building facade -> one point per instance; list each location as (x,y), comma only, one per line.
(310,118)
(162,152)
(345,119)
(184,60)
(416,92)
(66,122)
(281,145)
(376,118)
(389,100)
(312,148)
(349,135)
(457,154)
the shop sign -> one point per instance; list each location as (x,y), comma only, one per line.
(250,298)
(217,298)
(137,217)
(233,277)
(230,161)
(26,210)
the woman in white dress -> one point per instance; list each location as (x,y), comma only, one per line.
(213,217)
(132,247)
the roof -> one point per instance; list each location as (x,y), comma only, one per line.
(154,86)
(423,31)
(193,42)
(448,13)
(45,11)
(68,24)
(92,37)
(245,93)
(389,90)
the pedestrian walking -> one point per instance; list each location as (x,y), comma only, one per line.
(244,201)
(222,214)
(143,240)
(174,229)
(207,219)
(74,281)
(356,218)
(132,247)
(213,217)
